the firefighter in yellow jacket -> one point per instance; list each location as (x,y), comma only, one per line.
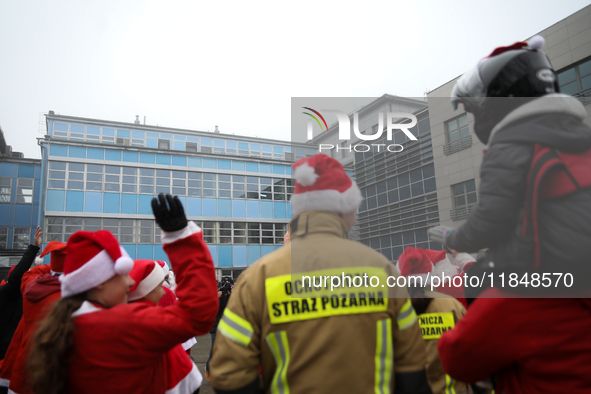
(437,312)
(318,314)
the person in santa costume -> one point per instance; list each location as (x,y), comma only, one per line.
(40,287)
(148,276)
(169,298)
(11,300)
(93,341)
(437,313)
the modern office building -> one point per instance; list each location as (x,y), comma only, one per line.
(20,190)
(103,175)
(399,188)
(457,153)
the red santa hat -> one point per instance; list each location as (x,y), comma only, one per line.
(147,274)
(92,258)
(58,255)
(323,184)
(414,262)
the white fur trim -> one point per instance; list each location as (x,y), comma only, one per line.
(444,269)
(85,308)
(191,229)
(4,382)
(305,175)
(536,42)
(327,200)
(95,271)
(462,259)
(147,284)
(189,383)
(38,261)
(189,343)
(123,265)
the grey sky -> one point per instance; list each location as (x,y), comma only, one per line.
(194,65)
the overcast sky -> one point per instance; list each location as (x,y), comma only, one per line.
(195,64)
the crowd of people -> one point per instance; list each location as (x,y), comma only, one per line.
(95,321)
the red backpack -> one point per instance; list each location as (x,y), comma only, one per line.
(552,174)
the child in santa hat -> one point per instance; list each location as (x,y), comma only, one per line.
(40,287)
(437,313)
(149,276)
(169,298)
(93,341)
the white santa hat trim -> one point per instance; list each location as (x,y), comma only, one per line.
(95,271)
(327,200)
(148,284)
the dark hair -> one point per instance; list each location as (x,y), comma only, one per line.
(52,347)
(419,301)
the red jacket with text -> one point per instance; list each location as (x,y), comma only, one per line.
(530,345)
(128,348)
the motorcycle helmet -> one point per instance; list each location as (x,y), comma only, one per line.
(506,79)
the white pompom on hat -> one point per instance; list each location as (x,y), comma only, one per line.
(92,258)
(322,184)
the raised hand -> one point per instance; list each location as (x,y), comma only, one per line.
(169,213)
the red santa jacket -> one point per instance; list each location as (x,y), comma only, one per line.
(531,345)
(126,349)
(168,299)
(40,290)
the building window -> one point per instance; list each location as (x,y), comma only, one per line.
(24,191)
(163,144)
(576,80)
(5,189)
(162,181)
(94,176)
(57,175)
(129,180)
(464,199)
(191,147)
(3,238)
(457,135)
(21,238)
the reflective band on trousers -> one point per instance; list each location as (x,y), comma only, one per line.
(279,346)
(449,385)
(407,316)
(235,328)
(384,357)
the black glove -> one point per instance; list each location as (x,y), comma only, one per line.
(172,217)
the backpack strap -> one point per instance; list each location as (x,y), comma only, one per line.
(544,161)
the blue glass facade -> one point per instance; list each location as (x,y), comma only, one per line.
(20,191)
(103,175)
